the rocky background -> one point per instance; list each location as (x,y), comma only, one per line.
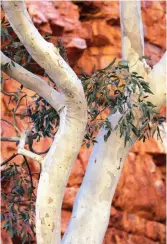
(91,34)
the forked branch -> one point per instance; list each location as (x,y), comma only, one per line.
(32,82)
(25,152)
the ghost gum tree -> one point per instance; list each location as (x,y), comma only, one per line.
(91,211)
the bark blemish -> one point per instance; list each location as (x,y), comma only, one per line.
(42,221)
(60,62)
(50,200)
(53,227)
(105,194)
(70,95)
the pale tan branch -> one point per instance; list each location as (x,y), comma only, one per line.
(10,139)
(132,36)
(157,79)
(26,153)
(32,82)
(44,53)
(131,27)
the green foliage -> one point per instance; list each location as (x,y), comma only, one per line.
(18,208)
(5,30)
(44,118)
(15,49)
(114,87)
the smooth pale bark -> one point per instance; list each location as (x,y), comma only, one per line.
(157,79)
(132,36)
(73,119)
(91,211)
(163,131)
(131,28)
(133,49)
(32,82)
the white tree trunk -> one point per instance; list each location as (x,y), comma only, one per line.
(91,211)
(57,163)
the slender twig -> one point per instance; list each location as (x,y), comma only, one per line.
(28,167)
(40,171)
(18,103)
(15,110)
(17,139)
(10,158)
(29,172)
(14,120)
(39,153)
(10,94)
(12,125)
(10,139)
(100,112)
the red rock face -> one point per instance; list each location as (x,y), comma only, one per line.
(91,30)
(91,34)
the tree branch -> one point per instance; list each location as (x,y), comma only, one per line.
(26,153)
(163,131)
(132,36)
(30,175)
(12,125)
(133,49)
(43,52)
(17,139)
(131,27)
(10,139)
(8,159)
(32,82)
(157,82)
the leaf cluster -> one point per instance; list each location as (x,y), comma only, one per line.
(116,89)
(44,118)
(18,208)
